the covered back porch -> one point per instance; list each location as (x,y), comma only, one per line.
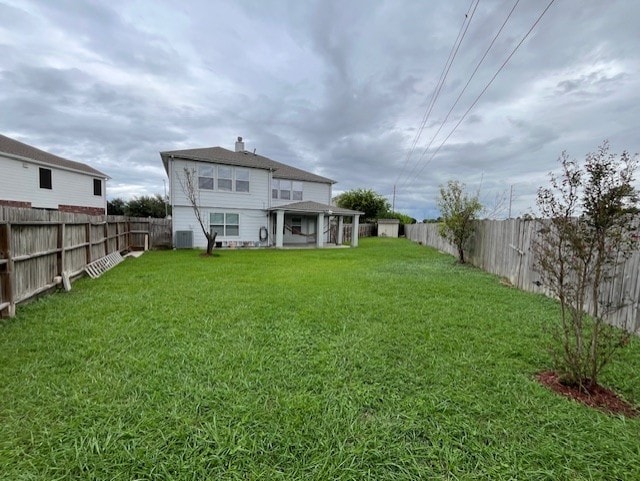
(308,224)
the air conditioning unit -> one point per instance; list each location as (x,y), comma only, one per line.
(184,239)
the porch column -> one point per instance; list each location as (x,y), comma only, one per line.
(356,228)
(340,229)
(320,230)
(279,228)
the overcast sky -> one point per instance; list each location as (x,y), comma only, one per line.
(339,88)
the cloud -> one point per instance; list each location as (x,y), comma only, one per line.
(338,88)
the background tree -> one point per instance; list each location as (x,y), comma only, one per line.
(364,200)
(146,206)
(458,210)
(143,206)
(116,207)
(403,218)
(192,191)
(589,230)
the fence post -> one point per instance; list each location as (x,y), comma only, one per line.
(60,256)
(7,299)
(105,237)
(87,230)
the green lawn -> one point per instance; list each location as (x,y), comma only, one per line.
(384,362)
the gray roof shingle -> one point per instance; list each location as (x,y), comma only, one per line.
(12,147)
(245,159)
(311,207)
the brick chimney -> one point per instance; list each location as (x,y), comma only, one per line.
(239,145)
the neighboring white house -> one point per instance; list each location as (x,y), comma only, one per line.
(251,200)
(33,178)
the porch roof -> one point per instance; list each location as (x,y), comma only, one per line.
(310,207)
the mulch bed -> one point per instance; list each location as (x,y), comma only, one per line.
(599,397)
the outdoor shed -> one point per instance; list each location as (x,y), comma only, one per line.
(388,227)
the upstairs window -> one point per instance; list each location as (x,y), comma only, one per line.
(242,180)
(285,189)
(296,191)
(97,187)
(225,178)
(205,177)
(275,188)
(45,178)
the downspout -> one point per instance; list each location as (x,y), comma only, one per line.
(171,200)
(269,204)
(170,175)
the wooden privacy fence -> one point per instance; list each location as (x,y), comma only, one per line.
(504,247)
(364,230)
(38,248)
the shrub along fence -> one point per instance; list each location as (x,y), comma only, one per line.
(504,247)
(40,248)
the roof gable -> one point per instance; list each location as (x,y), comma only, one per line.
(14,148)
(244,159)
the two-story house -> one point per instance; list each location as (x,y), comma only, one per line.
(33,178)
(251,200)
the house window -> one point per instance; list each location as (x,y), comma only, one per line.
(242,180)
(225,178)
(97,187)
(205,177)
(297,191)
(285,189)
(232,224)
(296,225)
(45,178)
(224,224)
(275,188)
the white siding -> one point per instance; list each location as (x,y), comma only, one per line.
(311,191)
(256,198)
(250,223)
(251,207)
(20,181)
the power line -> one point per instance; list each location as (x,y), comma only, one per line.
(487,86)
(484,56)
(443,76)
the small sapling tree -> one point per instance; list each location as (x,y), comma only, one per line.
(191,189)
(458,210)
(588,228)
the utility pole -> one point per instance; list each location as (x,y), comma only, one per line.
(393,204)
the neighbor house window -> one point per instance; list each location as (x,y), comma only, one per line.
(242,180)
(97,187)
(296,225)
(205,177)
(296,191)
(224,224)
(45,178)
(275,188)
(225,178)
(285,189)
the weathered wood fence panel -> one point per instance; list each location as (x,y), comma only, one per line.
(38,247)
(364,230)
(505,248)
